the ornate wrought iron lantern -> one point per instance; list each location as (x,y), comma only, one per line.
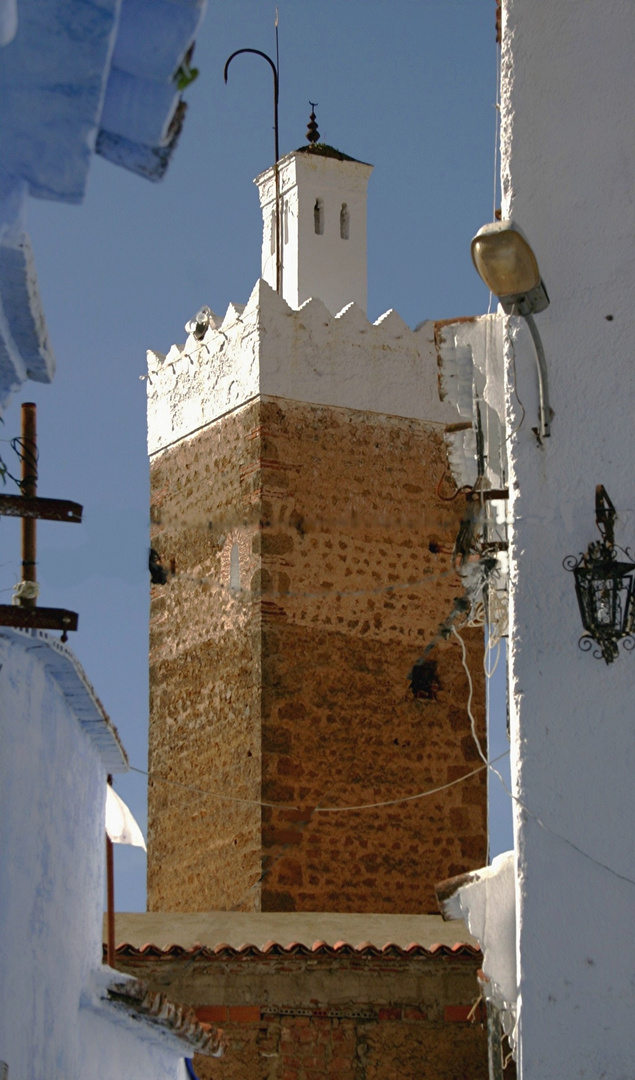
(605,588)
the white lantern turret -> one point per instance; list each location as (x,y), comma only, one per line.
(322,225)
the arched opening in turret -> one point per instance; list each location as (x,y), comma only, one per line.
(345,222)
(318,217)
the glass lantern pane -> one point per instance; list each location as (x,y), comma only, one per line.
(627,607)
(629,620)
(584,593)
(603,599)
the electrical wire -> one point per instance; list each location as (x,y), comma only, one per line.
(411,798)
(212,794)
(515,389)
(489,648)
(322,809)
(497,109)
(469,698)
(459,490)
(25,454)
(519,803)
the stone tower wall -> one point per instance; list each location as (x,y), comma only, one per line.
(351,515)
(294,688)
(204,852)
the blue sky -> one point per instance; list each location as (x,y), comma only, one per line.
(408,85)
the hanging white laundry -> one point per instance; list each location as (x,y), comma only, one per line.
(120,824)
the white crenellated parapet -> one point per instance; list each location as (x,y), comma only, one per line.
(267,348)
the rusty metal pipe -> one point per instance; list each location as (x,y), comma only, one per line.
(110,894)
(28,487)
(110,889)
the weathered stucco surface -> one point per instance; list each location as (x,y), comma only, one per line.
(51,847)
(294,689)
(568,165)
(486,902)
(57,745)
(237,927)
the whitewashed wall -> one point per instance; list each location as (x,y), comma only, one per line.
(116,1053)
(52,786)
(55,750)
(568,166)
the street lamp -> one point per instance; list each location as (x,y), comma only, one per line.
(505,261)
(605,587)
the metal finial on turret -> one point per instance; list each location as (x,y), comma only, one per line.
(312,132)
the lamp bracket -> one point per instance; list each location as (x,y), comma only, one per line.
(605,516)
(529,303)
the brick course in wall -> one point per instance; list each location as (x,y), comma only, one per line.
(316,1048)
(292,685)
(329,1013)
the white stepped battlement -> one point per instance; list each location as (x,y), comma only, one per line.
(268,348)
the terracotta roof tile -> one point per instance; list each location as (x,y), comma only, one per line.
(137,1000)
(295,948)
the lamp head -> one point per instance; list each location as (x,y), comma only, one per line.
(505,261)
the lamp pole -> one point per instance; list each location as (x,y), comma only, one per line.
(544,408)
(257,52)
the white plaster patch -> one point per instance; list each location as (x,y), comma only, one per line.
(237,565)
(470,354)
(568,161)
(488,907)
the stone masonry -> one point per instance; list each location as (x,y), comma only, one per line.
(310,566)
(326,1013)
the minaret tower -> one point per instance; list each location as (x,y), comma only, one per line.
(322,196)
(296,452)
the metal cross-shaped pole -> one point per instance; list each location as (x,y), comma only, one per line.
(274,69)
(24,612)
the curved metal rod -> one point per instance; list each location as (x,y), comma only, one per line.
(257,52)
(545,412)
(276,88)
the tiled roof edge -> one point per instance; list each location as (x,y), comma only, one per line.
(155,1010)
(272,949)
